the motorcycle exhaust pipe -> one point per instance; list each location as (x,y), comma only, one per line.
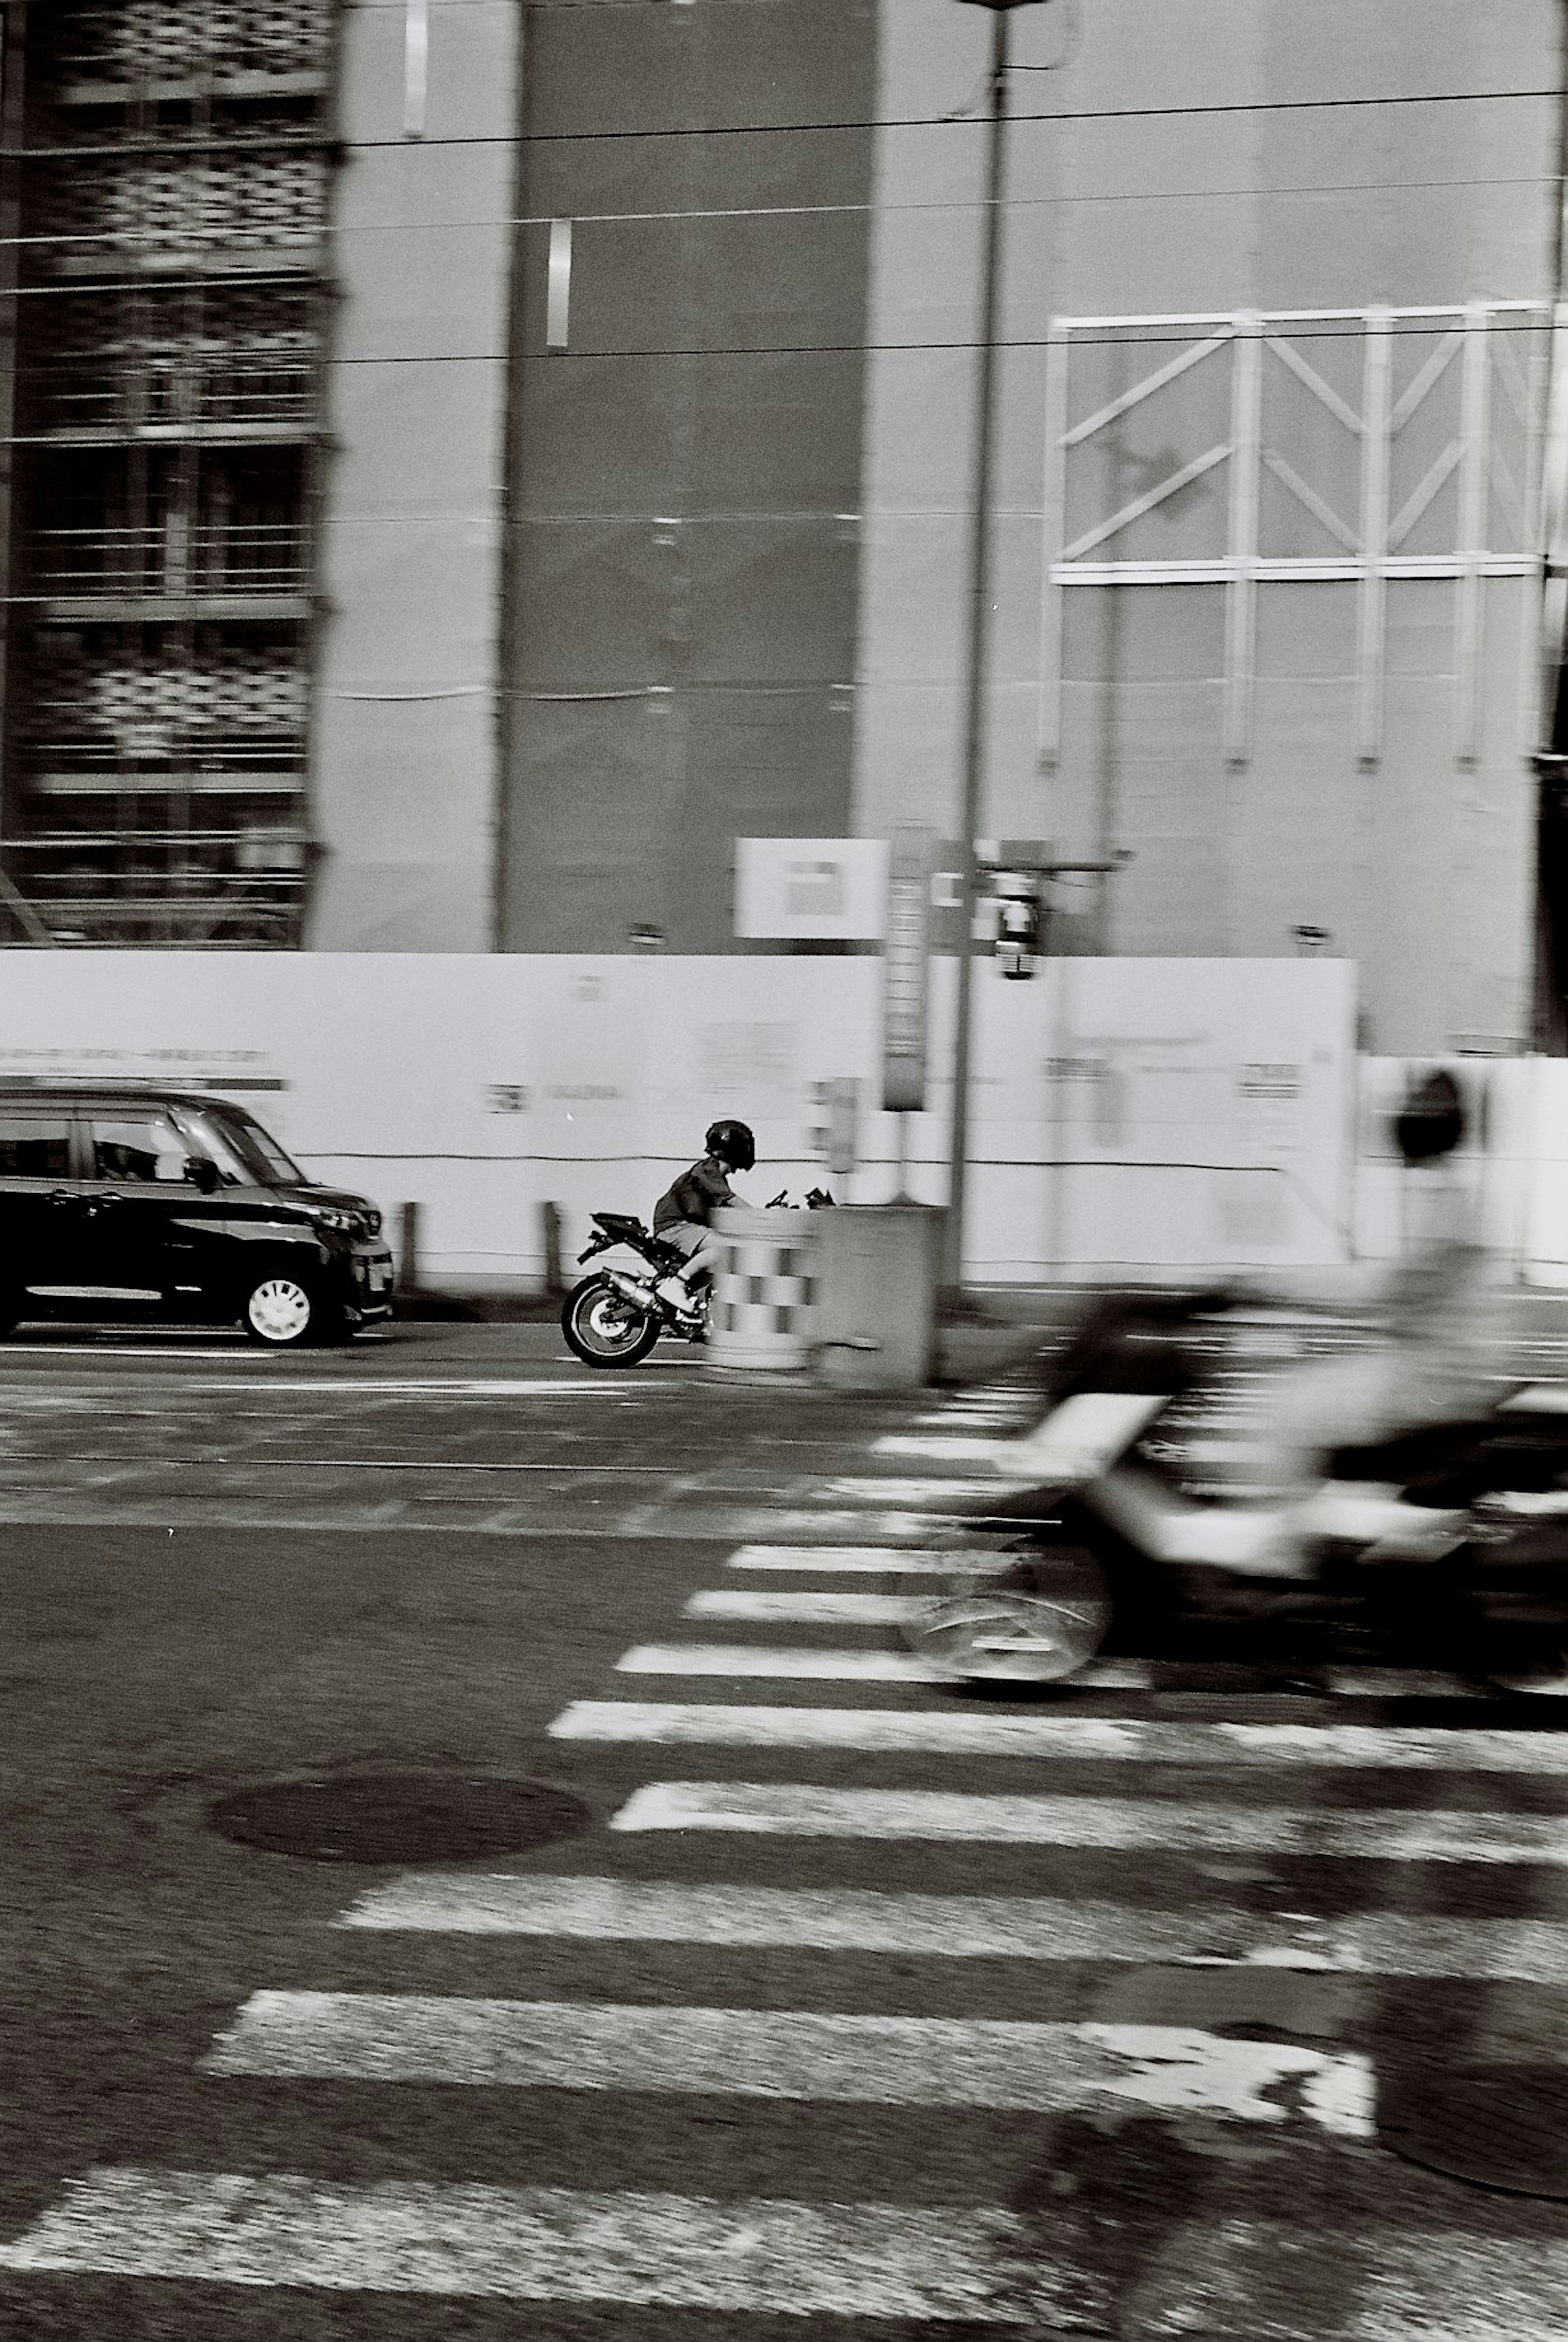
(630,1289)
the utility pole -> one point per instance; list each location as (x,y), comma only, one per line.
(978,638)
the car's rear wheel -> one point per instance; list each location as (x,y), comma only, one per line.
(1017,1618)
(283,1312)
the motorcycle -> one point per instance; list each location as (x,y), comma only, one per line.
(614,1318)
(1121,1526)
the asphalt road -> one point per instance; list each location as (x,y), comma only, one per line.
(845,2006)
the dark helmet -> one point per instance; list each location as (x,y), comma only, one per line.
(734,1145)
(1432,1120)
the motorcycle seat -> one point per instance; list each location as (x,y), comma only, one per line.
(618,1224)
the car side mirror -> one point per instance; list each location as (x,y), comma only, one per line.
(203,1173)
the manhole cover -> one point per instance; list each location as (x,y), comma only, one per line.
(398,1817)
(1502,2126)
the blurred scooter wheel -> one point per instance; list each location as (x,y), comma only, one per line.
(1028,1618)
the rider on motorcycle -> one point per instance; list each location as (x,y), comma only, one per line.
(683,1212)
(1428,1354)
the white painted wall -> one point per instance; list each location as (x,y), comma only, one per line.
(1158,1116)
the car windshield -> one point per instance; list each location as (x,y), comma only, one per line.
(239,1146)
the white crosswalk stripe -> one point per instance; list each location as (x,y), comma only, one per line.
(831,1609)
(789,2054)
(1360,1748)
(858,1560)
(960,1927)
(920,1496)
(544,2244)
(945,1447)
(868,1665)
(1147,1824)
(758,2256)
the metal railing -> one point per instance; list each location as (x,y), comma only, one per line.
(170,560)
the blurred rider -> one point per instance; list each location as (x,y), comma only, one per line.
(1427,1355)
(682,1214)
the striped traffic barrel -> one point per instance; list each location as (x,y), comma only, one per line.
(765,1289)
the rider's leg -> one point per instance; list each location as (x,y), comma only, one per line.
(702,1264)
(701,1249)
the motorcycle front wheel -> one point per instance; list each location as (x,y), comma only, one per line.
(1030,1618)
(604,1329)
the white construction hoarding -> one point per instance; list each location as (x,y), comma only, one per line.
(1152,1114)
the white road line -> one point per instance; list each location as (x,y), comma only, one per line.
(369,1386)
(910,1492)
(981,1416)
(383,1386)
(743,1659)
(548,2244)
(959,1927)
(1079,1738)
(804,1609)
(858,1560)
(951,1447)
(1147,1824)
(900,2061)
(1399,1683)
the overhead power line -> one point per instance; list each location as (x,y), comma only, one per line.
(958,122)
(857,122)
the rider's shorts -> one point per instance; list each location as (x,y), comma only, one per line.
(685,1234)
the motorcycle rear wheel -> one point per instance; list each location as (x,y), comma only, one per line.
(1029,1618)
(604,1329)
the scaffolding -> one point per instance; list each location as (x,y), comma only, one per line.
(163,225)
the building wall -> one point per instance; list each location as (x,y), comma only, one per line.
(404,763)
(680,645)
(1131,196)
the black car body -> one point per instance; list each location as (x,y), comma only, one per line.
(162,1204)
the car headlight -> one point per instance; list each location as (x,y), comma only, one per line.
(329,1216)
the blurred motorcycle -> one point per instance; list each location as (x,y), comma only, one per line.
(1135,1507)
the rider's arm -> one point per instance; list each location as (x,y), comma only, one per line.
(716,1190)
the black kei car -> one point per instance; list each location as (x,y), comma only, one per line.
(165,1207)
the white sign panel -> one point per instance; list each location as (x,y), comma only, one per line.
(810,889)
(905,972)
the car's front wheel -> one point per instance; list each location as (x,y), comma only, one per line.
(283,1312)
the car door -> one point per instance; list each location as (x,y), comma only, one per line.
(136,1184)
(40,1206)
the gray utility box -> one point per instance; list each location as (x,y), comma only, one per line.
(877,1266)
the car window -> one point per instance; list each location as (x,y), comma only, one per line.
(138,1146)
(259,1150)
(34,1146)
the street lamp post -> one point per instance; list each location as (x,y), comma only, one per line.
(978,637)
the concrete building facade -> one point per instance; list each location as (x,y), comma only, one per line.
(646,403)
(1267,586)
